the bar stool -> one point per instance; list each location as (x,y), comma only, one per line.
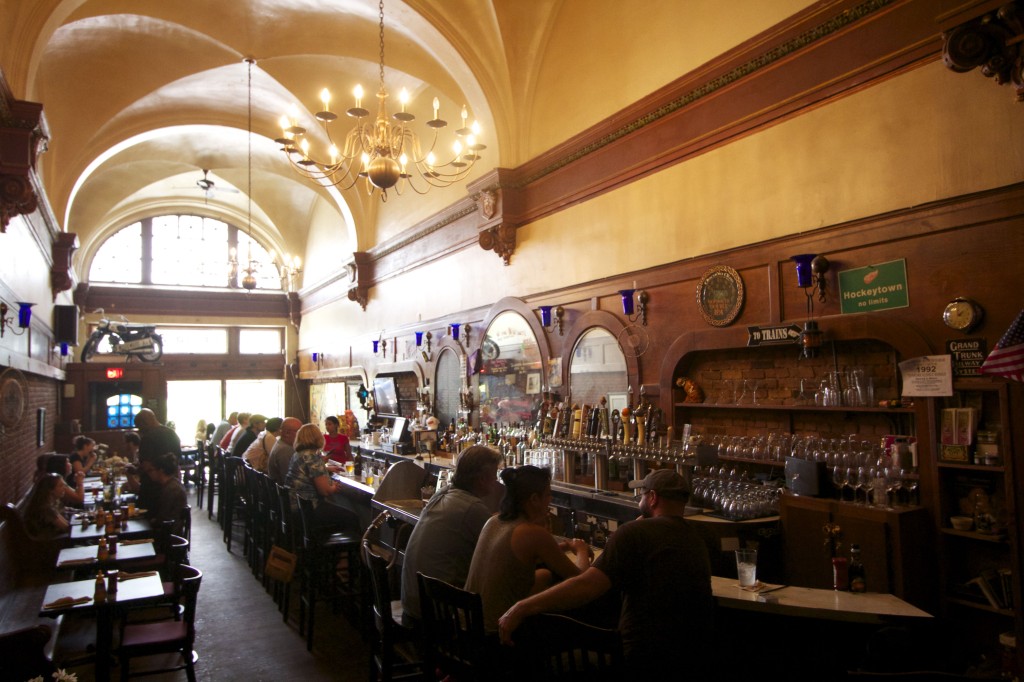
(453,633)
(234,503)
(557,647)
(393,655)
(319,560)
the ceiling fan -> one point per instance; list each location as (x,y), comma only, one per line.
(208,186)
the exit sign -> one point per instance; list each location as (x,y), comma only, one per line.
(115,372)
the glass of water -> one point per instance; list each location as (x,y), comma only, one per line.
(746,567)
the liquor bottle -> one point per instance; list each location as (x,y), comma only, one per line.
(856,571)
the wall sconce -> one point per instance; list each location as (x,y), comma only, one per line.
(545,317)
(376,346)
(419,339)
(318,359)
(810,276)
(453,331)
(24,318)
(641,302)
(64,350)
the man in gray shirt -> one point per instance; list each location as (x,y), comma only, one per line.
(442,543)
(281,455)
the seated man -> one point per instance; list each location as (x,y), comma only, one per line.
(442,543)
(661,568)
(170,499)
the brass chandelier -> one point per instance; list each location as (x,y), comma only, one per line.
(384,152)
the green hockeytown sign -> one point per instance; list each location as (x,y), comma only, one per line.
(875,287)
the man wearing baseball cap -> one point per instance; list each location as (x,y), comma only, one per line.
(661,568)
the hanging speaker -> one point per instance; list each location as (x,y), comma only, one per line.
(65,324)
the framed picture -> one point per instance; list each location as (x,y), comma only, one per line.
(533,383)
(720,295)
(40,426)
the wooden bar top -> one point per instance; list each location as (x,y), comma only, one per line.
(809,602)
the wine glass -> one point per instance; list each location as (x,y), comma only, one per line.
(911,481)
(894,482)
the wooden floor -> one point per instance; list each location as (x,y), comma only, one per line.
(239,631)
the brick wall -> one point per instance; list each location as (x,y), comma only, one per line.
(18,449)
(780,374)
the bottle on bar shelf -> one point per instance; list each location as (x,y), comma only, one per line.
(855,571)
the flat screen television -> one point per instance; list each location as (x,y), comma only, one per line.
(385,395)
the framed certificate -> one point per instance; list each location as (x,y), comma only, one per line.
(720,295)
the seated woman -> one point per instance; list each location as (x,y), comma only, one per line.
(171,498)
(84,456)
(44,514)
(515,544)
(310,479)
(74,481)
(335,443)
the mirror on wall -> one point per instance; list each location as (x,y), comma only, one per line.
(511,372)
(598,368)
(447,385)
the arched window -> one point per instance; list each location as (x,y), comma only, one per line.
(182,250)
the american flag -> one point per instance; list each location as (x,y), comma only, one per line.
(1007,358)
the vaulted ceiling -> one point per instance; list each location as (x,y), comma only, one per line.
(141,95)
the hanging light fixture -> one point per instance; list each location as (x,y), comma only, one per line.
(386,153)
(249,280)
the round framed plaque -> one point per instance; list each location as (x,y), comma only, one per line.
(720,295)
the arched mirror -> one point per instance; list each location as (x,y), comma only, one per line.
(447,384)
(511,371)
(598,369)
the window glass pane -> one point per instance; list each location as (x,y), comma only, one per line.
(182,340)
(266,341)
(267,275)
(265,397)
(190,251)
(119,259)
(190,401)
(121,410)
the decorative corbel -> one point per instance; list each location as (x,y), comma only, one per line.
(23,136)
(64,246)
(994,42)
(360,277)
(497,201)
(501,240)
(295,309)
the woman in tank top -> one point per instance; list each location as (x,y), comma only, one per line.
(516,554)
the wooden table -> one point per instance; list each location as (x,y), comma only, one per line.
(84,556)
(135,591)
(137,528)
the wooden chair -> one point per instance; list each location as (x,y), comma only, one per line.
(165,636)
(453,633)
(557,647)
(393,656)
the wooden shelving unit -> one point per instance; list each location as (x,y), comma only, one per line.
(963,556)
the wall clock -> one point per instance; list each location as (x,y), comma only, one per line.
(12,398)
(720,295)
(962,314)
(490,349)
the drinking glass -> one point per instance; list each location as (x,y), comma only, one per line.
(746,567)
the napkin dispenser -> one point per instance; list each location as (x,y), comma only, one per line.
(807,477)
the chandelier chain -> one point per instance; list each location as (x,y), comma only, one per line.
(381,45)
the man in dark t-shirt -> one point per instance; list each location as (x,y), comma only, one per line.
(157,440)
(661,568)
